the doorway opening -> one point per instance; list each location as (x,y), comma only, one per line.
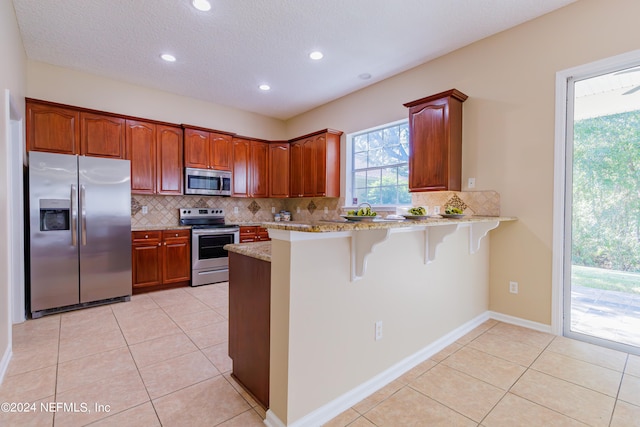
(601,253)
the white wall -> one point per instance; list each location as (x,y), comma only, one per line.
(66,86)
(13,78)
(508,127)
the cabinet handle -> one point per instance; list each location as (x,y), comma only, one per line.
(176,234)
(146,236)
(159,244)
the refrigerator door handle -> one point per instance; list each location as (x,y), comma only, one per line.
(83,219)
(74,216)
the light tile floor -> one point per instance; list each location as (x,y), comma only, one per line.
(161,360)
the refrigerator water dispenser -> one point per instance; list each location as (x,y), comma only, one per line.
(54,214)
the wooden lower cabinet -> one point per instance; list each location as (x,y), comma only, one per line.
(253,233)
(249,323)
(160,258)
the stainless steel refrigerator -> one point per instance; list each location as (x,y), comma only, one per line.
(80,231)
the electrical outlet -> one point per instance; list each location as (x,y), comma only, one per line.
(235,209)
(378,335)
(513,287)
(471,183)
(436,210)
(298,209)
(273,209)
(326,210)
(145,210)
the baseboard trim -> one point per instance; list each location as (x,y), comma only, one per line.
(347,400)
(520,322)
(4,363)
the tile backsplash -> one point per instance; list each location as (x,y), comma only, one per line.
(163,210)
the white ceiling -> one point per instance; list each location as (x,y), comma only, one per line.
(224,54)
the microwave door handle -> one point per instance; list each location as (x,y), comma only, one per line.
(74,216)
(83,218)
(221,183)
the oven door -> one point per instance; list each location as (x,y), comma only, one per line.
(209,261)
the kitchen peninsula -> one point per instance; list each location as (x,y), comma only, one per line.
(355,305)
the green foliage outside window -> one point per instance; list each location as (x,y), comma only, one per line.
(606,192)
(380,172)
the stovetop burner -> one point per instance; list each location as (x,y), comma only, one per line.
(203,218)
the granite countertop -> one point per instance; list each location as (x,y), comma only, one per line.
(344,225)
(259,250)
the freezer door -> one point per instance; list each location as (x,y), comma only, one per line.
(53,180)
(104,194)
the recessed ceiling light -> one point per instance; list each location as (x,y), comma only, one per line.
(202,5)
(365,76)
(316,55)
(167,57)
(265,87)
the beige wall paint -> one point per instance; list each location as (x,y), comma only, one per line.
(66,86)
(330,319)
(508,129)
(12,77)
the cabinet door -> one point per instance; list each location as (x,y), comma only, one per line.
(102,136)
(258,167)
(52,129)
(309,167)
(196,149)
(169,160)
(176,266)
(279,169)
(435,142)
(428,163)
(320,147)
(146,259)
(241,156)
(141,151)
(221,151)
(295,170)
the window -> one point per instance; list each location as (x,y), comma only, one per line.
(379,165)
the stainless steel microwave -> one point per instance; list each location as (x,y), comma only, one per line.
(207,182)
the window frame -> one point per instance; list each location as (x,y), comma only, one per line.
(350,166)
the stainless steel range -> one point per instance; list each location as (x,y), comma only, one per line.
(209,234)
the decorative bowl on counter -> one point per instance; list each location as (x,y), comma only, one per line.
(359,218)
(415,217)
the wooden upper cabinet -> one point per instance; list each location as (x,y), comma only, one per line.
(102,135)
(240,177)
(296,186)
(250,168)
(221,154)
(279,169)
(52,128)
(435,142)
(155,152)
(315,165)
(309,167)
(207,150)
(169,176)
(196,148)
(259,169)
(141,151)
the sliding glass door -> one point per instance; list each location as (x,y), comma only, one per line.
(602,207)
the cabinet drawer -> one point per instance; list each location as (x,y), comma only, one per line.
(146,237)
(176,234)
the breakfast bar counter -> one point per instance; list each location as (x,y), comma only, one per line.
(354,305)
